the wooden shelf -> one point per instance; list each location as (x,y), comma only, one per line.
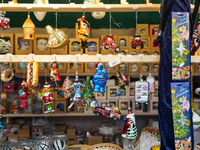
(80,7)
(68,115)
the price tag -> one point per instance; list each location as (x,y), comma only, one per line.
(9,54)
(28,7)
(84,7)
(135,7)
(129,55)
(1,56)
(72,3)
(11,2)
(154,56)
(109,55)
(45,57)
(55,7)
(114,62)
(101,3)
(86,55)
(78,55)
(150,4)
(108,7)
(196,61)
(141,55)
(127,3)
(24,60)
(68,55)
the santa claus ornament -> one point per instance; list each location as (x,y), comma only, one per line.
(100,78)
(23,94)
(46,95)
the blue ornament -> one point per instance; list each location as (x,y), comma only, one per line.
(123,119)
(1,123)
(100,78)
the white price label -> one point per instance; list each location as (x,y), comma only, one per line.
(196,61)
(68,55)
(101,3)
(1,56)
(109,55)
(86,55)
(154,56)
(114,62)
(11,2)
(45,57)
(108,7)
(129,55)
(55,7)
(24,60)
(72,3)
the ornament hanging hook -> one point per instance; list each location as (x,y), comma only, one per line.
(29,7)
(76,63)
(32,56)
(10,64)
(55,57)
(84,8)
(56,8)
(141,56)
(99,55)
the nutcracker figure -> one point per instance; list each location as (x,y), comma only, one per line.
(76,86)
(54,76)
(47,97)
(23,94)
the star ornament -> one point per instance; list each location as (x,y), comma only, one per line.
(182,120)
(181,49)
(173,91)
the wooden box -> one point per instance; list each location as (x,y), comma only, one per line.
(124,105)
(145,67)
(13,138)
(145,51)
(123,41)
(20,121)
(143,29)
(90,67)
(44,108)
(78,109)
(146,40)
(111,69)
(137,108)
(59,96)
(75,46)
(154,67)
(197,68)
(22,138)
(110,89)
(108,52)
(14,129)
(20,67)
(154,43)
(40,42)
(62,67)
(10,37)
(43,67)
(29,109)
(154,106)
(72,67)
(60,107)
(124,51)
(93,47)
(154,29)
(100,96)
(130,39)
(60,51)
(133,51)
(71,133)
(36,131)
(22,47)
(135,68)
(123,67)
(154,52)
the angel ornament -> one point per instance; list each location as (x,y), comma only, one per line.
(77,89)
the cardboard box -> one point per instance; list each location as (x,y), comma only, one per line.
(23,138)
(43,108)
(145,51)
(58,95)
(154,29)
(123,41)
(146,42)
(10,37)
(135,68)
(20,67)
(78,109)
(24,131)
(13,138)
(94,140)
(72,142)
(143,29)
(60,129)
(91,50)
(14,128)
(40,42)
(60,107)
(72,67)
(75,46)
(71,133)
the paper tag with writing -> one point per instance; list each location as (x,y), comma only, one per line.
(114,62)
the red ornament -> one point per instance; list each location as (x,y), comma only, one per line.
(4,22)
(137,43)
(10,87)
(23,94)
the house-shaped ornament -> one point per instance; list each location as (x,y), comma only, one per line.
(28,29)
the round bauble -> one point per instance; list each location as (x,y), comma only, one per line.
(98,15)
(59,145)
(40,15)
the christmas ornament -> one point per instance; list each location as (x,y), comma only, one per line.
(137,43)
(57,38)
(59,144)
(46,95)
(83,31)
(23,94)
(14,107)
(4,22)
(180,47)
(197,90)
(42,145)
(32,74)
(77,96)
(109,112)
(2,109)
(66,84)
(117,93)
(100,78)
(130,130)
(54,74)
(40,15)
(142,92)
(121,80)
(5,45)
(182,117)
(155,147)
(7,75)
(28,29)
(15,1)
(1,123)
(151,81)
(196,40)
(98,15)
(88,99)
(197,147)
(196,120)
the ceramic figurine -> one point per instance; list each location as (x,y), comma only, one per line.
(83,31)
(100,78)
(23,94)
(54,75)
(28,29)
(108,44)
(77,89)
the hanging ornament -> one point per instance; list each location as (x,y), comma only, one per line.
(108,42)
(5,45)
(47,96)
(87,96)
(57,37)
(40,15)
(66,84)
(23,94)
(4,22)
(54,74)
(15,1)
(32,74)
(77,89)
(28,29)
(100,78)
(130,130)
(196,120)
(83,31)
(197,90)
(137,43)
(151,81)
(8,73)
(121,80)
(196,40)
(59,144)
(1,123)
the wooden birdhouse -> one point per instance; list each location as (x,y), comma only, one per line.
(28,29)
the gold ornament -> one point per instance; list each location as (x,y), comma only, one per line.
(28,29)
(15,1)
